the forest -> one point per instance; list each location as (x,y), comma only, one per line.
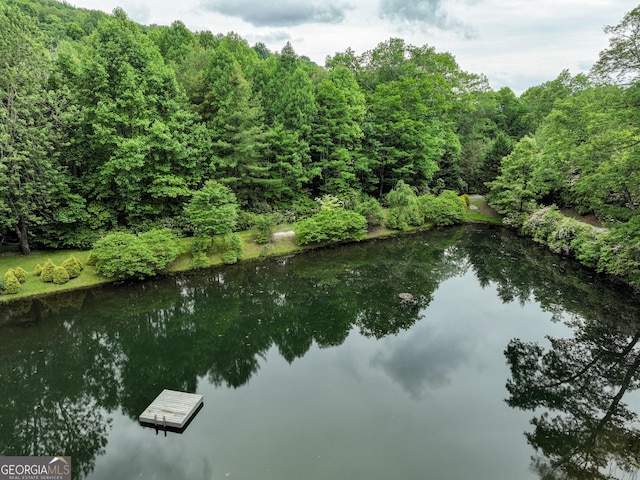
(110,126)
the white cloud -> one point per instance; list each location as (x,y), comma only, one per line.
(424,13)
(516,43)
(281,13)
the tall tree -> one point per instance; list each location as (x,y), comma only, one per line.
(513,190)
(337,133)
(135,153)
(620,62)
(287,95)
(29,178)
(238,134)
(403,140)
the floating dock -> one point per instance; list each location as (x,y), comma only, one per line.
(172,410)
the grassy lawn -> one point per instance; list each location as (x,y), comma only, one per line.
(88,278)
(34,286)
(484,213)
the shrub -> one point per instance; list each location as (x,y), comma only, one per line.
(21,274)
(121,255)
(371,209)
(199,257)
(264,225)
(587,247)
(619,250)
(561,240)
(446,209)
(91,259)
(73,266)
(246,220)
(47,272)
(11,284)
(542,223)
(60,275)
(232,249)
(332,225)
(199,260)
(403,207)
(38,270)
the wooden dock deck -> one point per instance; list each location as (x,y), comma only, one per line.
(172,409)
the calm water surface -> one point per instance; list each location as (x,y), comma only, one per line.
(512,363)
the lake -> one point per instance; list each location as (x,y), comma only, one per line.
(510,362)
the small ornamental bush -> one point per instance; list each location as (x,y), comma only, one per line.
(60,275)
(232,249)
(567,231)
(38,270)
(332,225)
(11,284)
(199,260)
(542,223)
(91,259)
(73,266)
(47,272)
(371,209)
(199,248)
(404,209)
(21,274)
(445,209)
(9,272)
(586,247)
(122,255)
(264,225)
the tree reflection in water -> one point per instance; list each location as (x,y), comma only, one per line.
(580,383)
(93,353)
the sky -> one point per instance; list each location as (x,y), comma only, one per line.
(515,43)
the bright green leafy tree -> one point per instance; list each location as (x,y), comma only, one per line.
(29,179)
(213,210)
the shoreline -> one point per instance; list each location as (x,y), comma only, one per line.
(252,251)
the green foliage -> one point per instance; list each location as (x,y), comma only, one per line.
(542,223)
(246,220)
(232,248)
(73,266)
(213,210)
(337,132)
(620,61)
(331,225)
(122,255)
(445,209)
(404,209)
(619,251)
(370,209)
(30,180)
(38,270)
(514,190)
(60,275)
(11,284)
(91,259)
(199,258)
(21,274)
(264,226)
(47,271)
(562,239)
